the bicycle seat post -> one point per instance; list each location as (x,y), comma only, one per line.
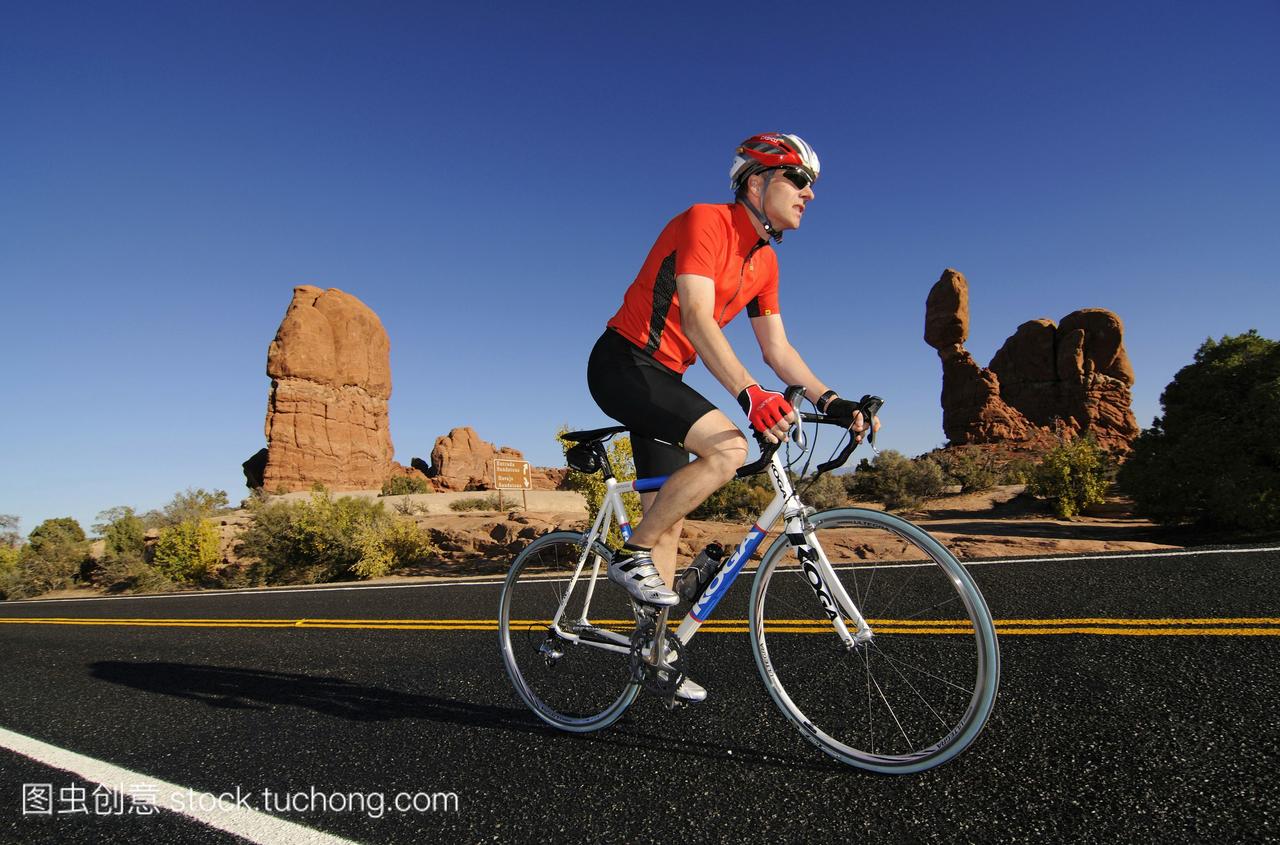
(658,652)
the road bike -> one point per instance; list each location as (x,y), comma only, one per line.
(869,635)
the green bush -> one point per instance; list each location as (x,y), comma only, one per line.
(1072,475)
(327,539)
(1214,455)
(188,552)
(896,480)
(404,485)
(972,469)
(482,503)
(591,485)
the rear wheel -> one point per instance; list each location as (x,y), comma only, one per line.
(574,674)
(920,690)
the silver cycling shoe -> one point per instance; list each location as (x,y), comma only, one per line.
(634,571)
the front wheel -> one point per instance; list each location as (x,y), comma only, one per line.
(564,631)
(915,694)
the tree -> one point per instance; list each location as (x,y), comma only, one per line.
(192,506)
(54,553)
(1213,457)
(122,532)
(9,536)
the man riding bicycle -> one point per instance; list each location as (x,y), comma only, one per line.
(708,264)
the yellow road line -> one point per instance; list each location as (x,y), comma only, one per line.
(1103,626)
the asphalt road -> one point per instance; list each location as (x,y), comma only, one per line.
(1095,737)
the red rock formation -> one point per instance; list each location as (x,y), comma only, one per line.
(1075,374)
(462,461)
(327,411)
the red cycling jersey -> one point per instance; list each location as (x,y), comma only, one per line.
(716,241)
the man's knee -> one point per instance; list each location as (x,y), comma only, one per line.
(726,453)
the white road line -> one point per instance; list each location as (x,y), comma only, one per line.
(498,579)
(1119,554)
(225,815)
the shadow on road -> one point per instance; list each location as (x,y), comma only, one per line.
(256,689)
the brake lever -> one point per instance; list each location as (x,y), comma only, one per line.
(869,406)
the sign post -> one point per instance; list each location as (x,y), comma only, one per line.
(512,475)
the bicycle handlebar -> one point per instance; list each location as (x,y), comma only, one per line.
(868,405)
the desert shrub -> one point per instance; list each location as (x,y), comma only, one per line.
(741,498)
(897,481)
(187,552)
(123,566)
(1072,475)
(591,485)
(1018,471)
(399,542)
(403,485)
(190,505)
(1214,455)
(480,503)
(326,539)
(827,491)
(131,574)
(52,558)
(973,470)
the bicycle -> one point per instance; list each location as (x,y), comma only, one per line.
(868,634)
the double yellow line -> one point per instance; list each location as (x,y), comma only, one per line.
(1248,626)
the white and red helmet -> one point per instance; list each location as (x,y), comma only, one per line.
(769,151)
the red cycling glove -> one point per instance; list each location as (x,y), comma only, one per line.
(764,408)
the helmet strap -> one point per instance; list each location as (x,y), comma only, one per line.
(760,215)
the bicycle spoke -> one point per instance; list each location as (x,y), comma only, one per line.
(897,663)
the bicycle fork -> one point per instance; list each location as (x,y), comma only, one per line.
(821,577)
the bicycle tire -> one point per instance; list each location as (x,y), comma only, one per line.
(921,690)
(575,687)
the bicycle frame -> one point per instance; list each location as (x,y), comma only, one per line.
(818,571)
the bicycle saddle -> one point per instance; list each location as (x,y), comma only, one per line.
(594,435)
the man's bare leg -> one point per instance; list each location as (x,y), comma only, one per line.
(720,449)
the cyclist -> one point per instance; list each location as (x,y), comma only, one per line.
(708,264)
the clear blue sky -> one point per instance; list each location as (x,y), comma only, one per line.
(488,179)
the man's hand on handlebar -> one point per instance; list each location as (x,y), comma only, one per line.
(769,412)
(834,406)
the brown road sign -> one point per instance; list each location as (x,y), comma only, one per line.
(512,475)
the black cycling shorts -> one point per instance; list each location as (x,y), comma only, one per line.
(649,399)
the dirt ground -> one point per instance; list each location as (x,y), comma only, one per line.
(1003,522)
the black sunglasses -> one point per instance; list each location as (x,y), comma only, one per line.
(797,177)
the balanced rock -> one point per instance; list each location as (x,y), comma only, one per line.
(1073,376)
(330,372)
